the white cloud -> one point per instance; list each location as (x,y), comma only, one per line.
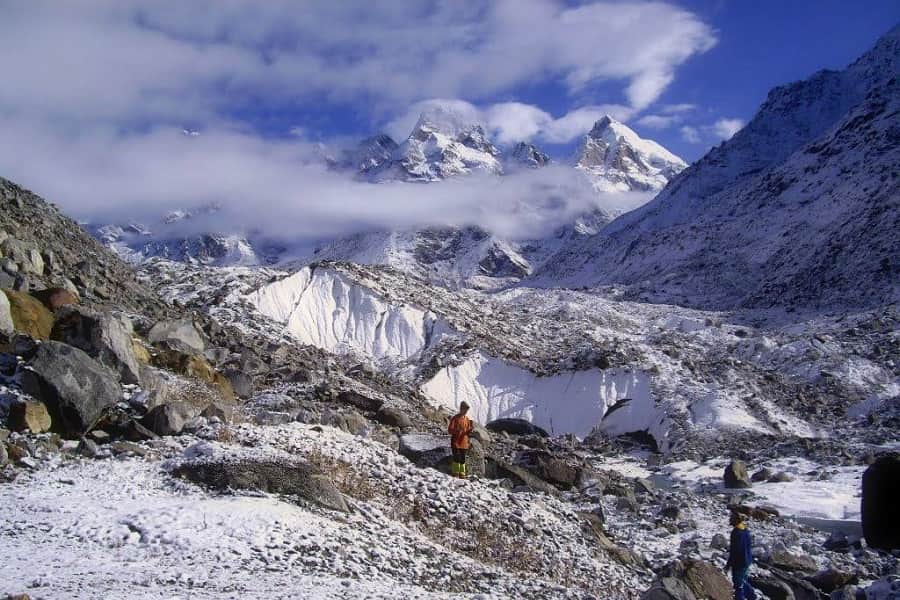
(690,134)
(659,121)
(279,187)
(166,59)
(725,128)
(676,109)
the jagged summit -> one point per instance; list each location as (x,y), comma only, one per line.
(618,159)
(528,155)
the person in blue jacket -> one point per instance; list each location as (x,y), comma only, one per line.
(740,558)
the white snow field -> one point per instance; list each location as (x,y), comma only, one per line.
(124,528)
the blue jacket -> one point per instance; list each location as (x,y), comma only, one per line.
(739,554)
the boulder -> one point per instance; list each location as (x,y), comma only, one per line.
(56,297)
(880,517)
(349,421)
(780,477)
(689,580)
(520,476)
(360,401)
(393,417)
(736,475)
(424,448)
(552,469)
(30,415)
(762,475)
(180,335)
(105,337)
(75,388)
(292,478)
(29,316)
(26,257)
(6,321)
(241,383)
(516,427)
(789,561)
(830,580)
(169,419)
(773,587)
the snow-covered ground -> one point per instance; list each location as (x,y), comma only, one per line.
(123,527)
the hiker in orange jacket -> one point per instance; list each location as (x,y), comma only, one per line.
(459,429)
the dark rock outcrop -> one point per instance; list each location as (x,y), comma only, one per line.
(75,388)
(880,497)
(516,427)
(105,337)
(282,477)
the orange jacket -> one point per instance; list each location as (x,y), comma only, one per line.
(459,429)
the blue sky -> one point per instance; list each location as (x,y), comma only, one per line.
(96,94)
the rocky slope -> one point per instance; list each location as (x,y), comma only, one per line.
(800,208)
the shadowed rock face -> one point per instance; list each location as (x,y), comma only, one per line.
(880,519)
(289,478)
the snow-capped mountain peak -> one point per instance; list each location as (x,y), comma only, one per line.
(618,159)
(528,155)
(443,143)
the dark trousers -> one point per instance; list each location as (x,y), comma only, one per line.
(740,578)
(459,455)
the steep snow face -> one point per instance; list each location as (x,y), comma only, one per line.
(619,160)
(323,308)
(799,208)
(573,402)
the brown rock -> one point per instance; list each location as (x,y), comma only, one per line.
(194,366)
(31,415)
(29,315)
(54,298)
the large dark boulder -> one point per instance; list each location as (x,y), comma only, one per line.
(520,476)
(292,478)
(516,427)
(75,388)
(689,580)
(880,499)
(169,419)
(106,337)
(360,401)
(736,475)
(552,469)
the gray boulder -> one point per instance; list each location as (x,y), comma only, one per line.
(180,335)
(736,475)
(360,401)
(393,417)
(241,383)
(292,478)
(520,476)
(169,419)
(6,321)
(75,388)
(106,337)
(689,580)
